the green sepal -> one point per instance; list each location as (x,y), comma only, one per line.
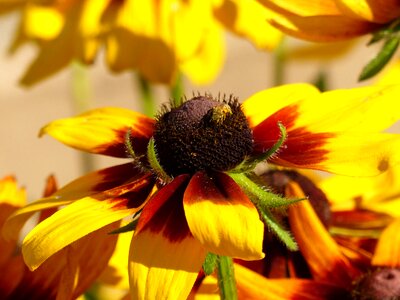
(260,194)
(385,32)
(153,161)
(284,235)
(210,263)
(250,163)
(381,59)
(131,226)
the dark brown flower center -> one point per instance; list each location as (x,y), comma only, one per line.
(202,134)
(382,283)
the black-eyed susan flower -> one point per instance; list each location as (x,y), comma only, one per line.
(187,186)
(67,274)
(331,20)
(155,38)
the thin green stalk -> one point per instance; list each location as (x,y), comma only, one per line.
(226,278)
(80,87)
(177,91)
(279,62)
(147,96)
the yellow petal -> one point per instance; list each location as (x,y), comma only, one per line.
(222,218)
(164,257)
(84,186)
(248,19)
(207,62)
(263,104)
(390,75)
(323,255)
(387,252)
(321,28)
(103,131)
(80,218)
(42,22)
(303,8)
(377,11)
(11,194)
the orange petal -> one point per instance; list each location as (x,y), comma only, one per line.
(103,131)
(323,255)
(387,252)
(164,257)
(82,217)
(303,8)
(222,217)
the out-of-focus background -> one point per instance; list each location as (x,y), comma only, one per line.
(24,111)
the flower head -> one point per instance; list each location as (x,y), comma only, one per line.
(188,188)
(155,38)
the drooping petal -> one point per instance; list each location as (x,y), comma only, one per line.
(90,184)
(103,131)
(263,104)
(377,11)
(164,257)
(320,28)
(222,217)
(12,274)
(387,252)
(82,217)
(323,255)
(248,19)
(303,8)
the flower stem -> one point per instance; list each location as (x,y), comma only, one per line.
(177,91)
(80,87)
(149,102)
(226,278)
(279,61)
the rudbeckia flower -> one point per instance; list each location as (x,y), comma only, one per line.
(187,185)
(156,38)
(331,20)
(67,274)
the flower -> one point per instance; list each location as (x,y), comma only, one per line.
(156,38)
(331,20)
(186,178)
(338,271)
(68,273)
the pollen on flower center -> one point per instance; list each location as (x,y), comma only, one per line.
(202,134)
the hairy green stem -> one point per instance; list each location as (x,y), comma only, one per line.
(226,278)
(279,61)
(177,91)
(147,96)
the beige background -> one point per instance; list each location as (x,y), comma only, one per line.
(25,111)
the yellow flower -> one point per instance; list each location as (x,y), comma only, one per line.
(65,275)
(156,38)
(184,177)
(330,20)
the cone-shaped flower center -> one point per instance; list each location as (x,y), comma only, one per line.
(383,283)
(202,134)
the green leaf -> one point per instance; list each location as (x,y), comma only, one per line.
(284,235)
(259,195)
(210,263)
(381,59)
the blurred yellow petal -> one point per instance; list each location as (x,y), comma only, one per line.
(103,131)
(387,252)
(222,218)
(206,64)
(263,104)
(377,11)
(80,218)
(42,22)
(323,255)
(248,19)
(11,194)
(304,8)
(321,28)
